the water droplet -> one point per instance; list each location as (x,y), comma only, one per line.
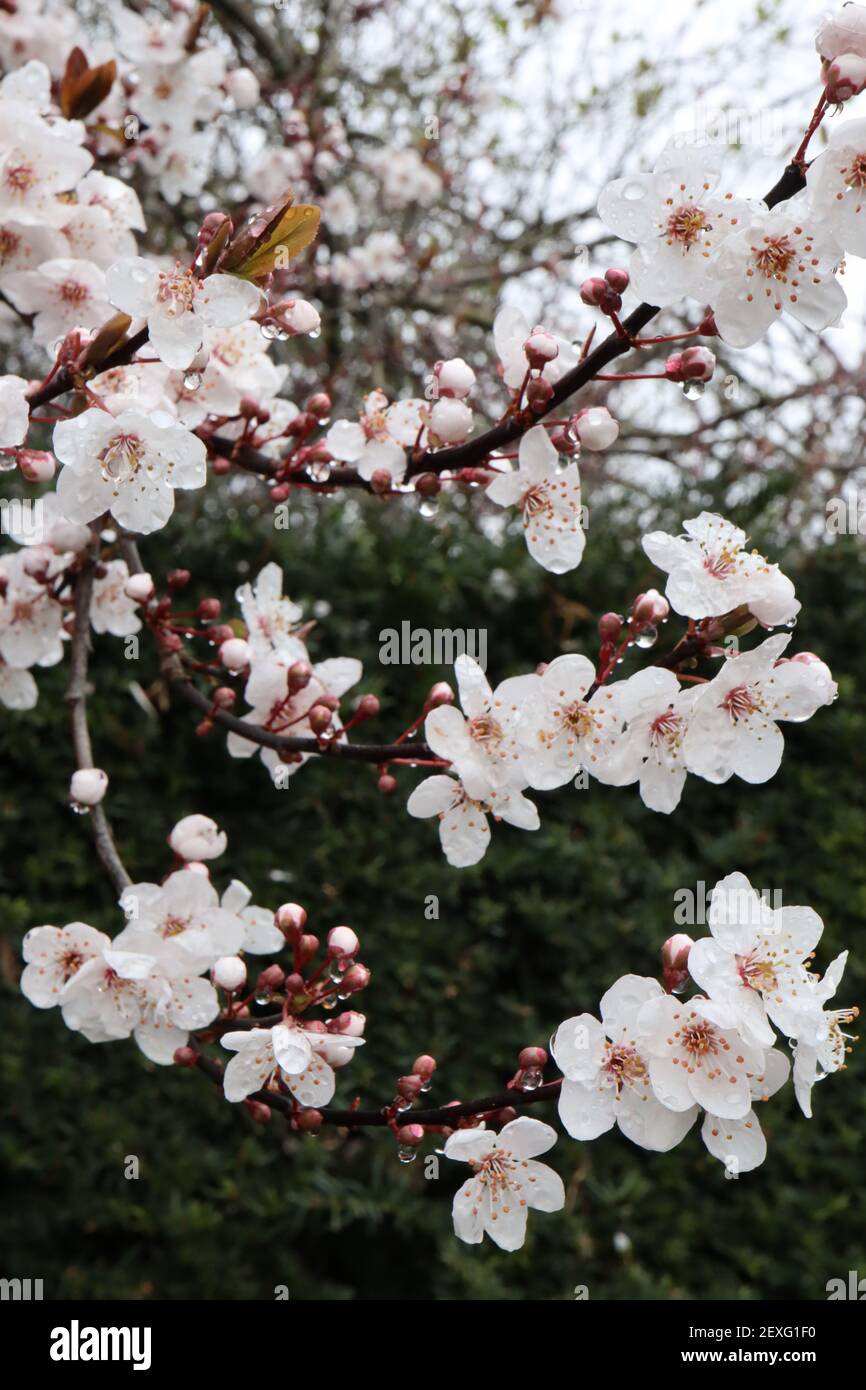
(428,508)
(401,1103)
(8,463)
(792,622)
(269,329)
(319,472)
(425,1087)
(192,381)
(262,1000)
(531,1079)
(79,810)
(633,192)
(647,637)
(329,1002)
(316,333)
(693,390)
(406,1153)
(337,971)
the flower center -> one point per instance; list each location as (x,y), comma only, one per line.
(741,702)
(121,458)
(177,292)
(71,292)
(774,257)
(699,1040)
(485,730)
(723,563)
(20,178)
(536,500)
(855,174)
(579,718)
(686,225)
(173,926)
(495,1171)
(757,973)
(9,243)
(623,1066)
(71,961)
(668,729)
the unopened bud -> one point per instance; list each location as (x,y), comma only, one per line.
(356,977)
(229,973)
(291,917)
(532,1057)
(342,941)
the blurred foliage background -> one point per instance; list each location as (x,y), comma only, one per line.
(224,1208)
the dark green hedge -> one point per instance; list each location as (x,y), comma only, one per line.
(533,934)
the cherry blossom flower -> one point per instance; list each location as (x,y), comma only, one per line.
(837,183)
(378,441)
(34,167)
(843,32)
(18,689)
(63,294)
(711,573)
(14,411)
(607,1073)
(740,1144)
(26,248)
(178,306)
(480,742)
(650,748)
(511,329)
(112,610)
(814,1061)
(149,994)
(733,727)
(261,936)
(506,1181)
(185,909)
(777,262)
(31,620)
(295,1054)
(560,730)
(464,831)
(54,955)
(128,465)
(694,1061)
(677,218)
(550,501)
(270,617)
(753,965)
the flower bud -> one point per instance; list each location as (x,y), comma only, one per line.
(291,917)
(532,1057)
(454,377)
(297,316)
(845,77)
(208,609)
(235,654)
(424,1066)
(697,364)
(651,607)
(356,977)
(310,1121)
(609,627)
(197,837)
(428,485)
(350,1023)
(450,420)
(178,579)
(342,941)
(272,977)
(596,428)
(88,786)
(320,718)
(618,279)
(381,481)
(242,86)
(258,1111)
(307,947)
(185,1057)
(538,395)
(36,465)
(299,676)
(229,973)
(440,694)
(540,348)
(409,1086)
(140,588)
(675,961)
(411,1135)
(387,784)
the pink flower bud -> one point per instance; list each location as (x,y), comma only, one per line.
(424,1066)
(208,609)
(310,1121)
(36,465)
(532,1057)
(197,837)
(320,718)
(307,947)
(229,973)
(381,481)
(409,1086)
(450,420)
(356,977)
(454,377)
(845,77)
(342,941)
(235,654)
(440,694)
(428,485)
(540,348)
(291,917)
(411,1135)
(319,405)
(185,1057)
(272,977)
(258,1111)
(707,326)
(596,428)
(299,677)
(88,786)
(140,588)
(651,607)
(242,86)
(538,395)
(178,579)
(697,364)
(617,279)
(350,1023)
(609,627)
(675,961)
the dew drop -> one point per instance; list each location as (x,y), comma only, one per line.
(269,329)
(406,1153)
(647,637)
(693,390)
(320,472)
(531,1079)
(192,381)
(8,463)
(78,809)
